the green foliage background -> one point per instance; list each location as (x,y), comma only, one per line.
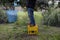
(52,17)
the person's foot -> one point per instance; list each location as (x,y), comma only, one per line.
(31,25)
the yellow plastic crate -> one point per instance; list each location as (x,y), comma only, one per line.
(33,29)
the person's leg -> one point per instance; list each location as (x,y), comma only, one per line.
(31,16)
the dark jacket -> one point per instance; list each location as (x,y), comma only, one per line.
(30,3)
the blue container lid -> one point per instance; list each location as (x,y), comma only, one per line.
(12,12)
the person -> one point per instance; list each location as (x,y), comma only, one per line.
(30,8)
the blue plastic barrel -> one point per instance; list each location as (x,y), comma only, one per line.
(11,15)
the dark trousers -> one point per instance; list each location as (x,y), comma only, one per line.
(31,16)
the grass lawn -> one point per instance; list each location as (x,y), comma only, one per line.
(18,30)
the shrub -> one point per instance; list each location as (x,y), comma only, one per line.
(52,17)
(3,17)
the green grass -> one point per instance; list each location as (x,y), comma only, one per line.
(18,30)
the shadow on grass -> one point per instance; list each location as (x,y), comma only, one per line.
(26,36)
